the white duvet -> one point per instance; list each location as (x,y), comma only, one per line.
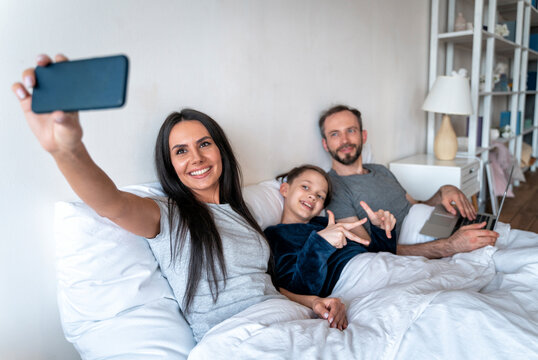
(478,305)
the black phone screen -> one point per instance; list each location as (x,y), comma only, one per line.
(88,84)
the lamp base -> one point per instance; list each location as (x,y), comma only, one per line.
(445,145)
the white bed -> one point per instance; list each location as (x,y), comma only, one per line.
(115,304)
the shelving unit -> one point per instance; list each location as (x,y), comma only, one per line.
(484,47)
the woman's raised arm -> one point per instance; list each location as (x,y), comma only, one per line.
(60,134)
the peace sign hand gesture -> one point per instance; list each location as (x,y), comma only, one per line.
(336,234)
(381,218)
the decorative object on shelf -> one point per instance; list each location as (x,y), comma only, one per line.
(460,24)
(479,122)
(448,95)
(502,83)
(511,31)
(502,30)
(505,120)
(506,132)
(531,80)
(494,134)
(499,77)
(482,82)
(527,124)
(533,42)
(470,26)
(526,154)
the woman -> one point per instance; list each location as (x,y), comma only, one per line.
(207,243)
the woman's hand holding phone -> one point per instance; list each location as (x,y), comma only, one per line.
(57,132)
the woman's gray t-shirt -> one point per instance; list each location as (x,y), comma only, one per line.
(246,256)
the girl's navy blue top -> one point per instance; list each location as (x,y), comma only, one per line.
(305,263)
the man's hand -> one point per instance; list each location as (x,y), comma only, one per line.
(470,237)
(450,196)
(331,309)
(381,218)
(336,234)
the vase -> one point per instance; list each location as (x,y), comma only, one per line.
(460,24)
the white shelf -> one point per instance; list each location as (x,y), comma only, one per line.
(458,37)
(506,139)
(506,2)
(465,39)
(512,137)
(534,16)
(533,54)
(529,130)
(500,93)
(483,48)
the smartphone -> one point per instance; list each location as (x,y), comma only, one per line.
(88,84)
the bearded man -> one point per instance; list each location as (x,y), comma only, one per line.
(342,137)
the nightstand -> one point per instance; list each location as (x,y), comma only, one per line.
(422,174)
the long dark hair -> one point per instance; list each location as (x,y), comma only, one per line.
(297,171)
(206,255)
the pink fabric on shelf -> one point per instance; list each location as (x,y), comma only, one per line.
(501,162)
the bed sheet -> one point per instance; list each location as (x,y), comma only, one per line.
(482,304)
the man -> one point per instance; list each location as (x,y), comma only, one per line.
(343,137)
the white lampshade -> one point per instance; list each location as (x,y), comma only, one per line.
(449,95)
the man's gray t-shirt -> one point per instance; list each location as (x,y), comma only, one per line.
(246,255)
(379,189)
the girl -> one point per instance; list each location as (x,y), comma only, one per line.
(309,251)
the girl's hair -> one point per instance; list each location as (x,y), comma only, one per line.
(206,255)
(297,171)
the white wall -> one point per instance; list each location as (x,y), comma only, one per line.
(263,69)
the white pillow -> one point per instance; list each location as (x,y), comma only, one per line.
(114,303)
(367,156)
(413,223)
(265,202)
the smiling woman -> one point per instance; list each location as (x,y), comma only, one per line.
(200,175)
(202,234)
(196,159)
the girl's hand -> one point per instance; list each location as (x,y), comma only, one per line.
(381,218)
(57,131)
(331,309)
(336,234)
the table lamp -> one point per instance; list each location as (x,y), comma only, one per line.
(449,95)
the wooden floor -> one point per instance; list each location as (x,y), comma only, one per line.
(521,211)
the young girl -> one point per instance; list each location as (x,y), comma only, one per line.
(309,251)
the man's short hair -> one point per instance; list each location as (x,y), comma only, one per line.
(334,110)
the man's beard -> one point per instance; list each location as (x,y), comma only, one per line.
(349,158)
